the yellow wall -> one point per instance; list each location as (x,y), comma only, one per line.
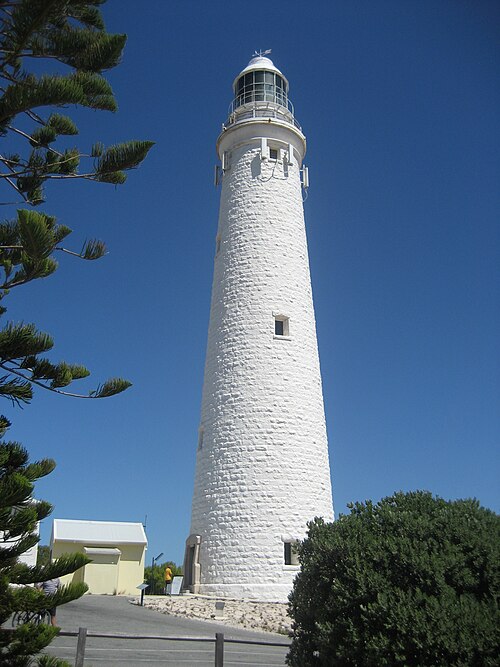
(101,576)
(131,571)
(60,548)
(121,577)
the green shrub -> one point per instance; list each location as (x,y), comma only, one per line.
(411,580)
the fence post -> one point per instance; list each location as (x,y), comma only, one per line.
(80,647)
(219,649)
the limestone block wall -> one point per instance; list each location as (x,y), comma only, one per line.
(262,465)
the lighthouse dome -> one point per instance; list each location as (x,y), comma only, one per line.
(260,63)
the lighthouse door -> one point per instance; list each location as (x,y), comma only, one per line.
(190,561)
(192,569)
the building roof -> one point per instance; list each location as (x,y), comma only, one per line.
(98,532)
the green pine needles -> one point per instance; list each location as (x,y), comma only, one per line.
(71,33)
(68,40)
(71,37)
(27,246)
(19,515)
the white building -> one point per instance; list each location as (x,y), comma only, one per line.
(30,556)
(262,469)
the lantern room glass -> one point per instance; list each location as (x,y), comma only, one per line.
(261,86)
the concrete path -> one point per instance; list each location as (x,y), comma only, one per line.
(99,613)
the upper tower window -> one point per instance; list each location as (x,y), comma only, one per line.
(281,326)
(261,87)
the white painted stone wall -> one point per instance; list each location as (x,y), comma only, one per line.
(262,465)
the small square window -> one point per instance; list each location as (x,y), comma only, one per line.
(281,326)
(273,153)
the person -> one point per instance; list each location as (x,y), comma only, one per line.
(168,580)
(50,587)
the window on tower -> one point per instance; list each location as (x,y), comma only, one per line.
(290,553)
(273,153)
(281,326)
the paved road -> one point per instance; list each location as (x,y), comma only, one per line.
(99,613)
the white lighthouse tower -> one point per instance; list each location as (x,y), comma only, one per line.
(262,469)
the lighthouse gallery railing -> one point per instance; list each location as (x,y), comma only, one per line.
(258,109)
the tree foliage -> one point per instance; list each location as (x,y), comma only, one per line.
(411,580)
(52,55)
(71,34)
(155,576)
(43,554)
(69,37)
(19,515)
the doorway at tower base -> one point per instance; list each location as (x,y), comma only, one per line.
(255,585)
(192,567)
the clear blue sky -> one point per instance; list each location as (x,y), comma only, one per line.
(399,102)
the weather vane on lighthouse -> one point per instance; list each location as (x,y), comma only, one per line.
(261,53)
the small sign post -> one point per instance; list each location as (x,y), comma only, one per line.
(176,586)
(142,588)
(219,609)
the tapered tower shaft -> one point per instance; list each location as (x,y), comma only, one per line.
(262,467)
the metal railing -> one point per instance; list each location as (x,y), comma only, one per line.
(218,640)
(260,109)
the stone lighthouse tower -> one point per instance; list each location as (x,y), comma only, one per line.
(262,469)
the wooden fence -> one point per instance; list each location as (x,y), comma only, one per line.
(218,640)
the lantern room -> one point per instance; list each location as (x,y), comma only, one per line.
(260,91)
(261,81)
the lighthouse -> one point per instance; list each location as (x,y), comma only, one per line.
(262,467)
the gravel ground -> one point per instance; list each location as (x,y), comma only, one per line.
(248,614)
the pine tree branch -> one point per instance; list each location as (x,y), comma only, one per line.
(30,54)
(14,174)
(51,177)
(57,177)
(38,383)
(7,75)
(80,255)
(34,116)
(31,139)
(100,392)
(12,184)
(18,283)
(38,22)
(9,178)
